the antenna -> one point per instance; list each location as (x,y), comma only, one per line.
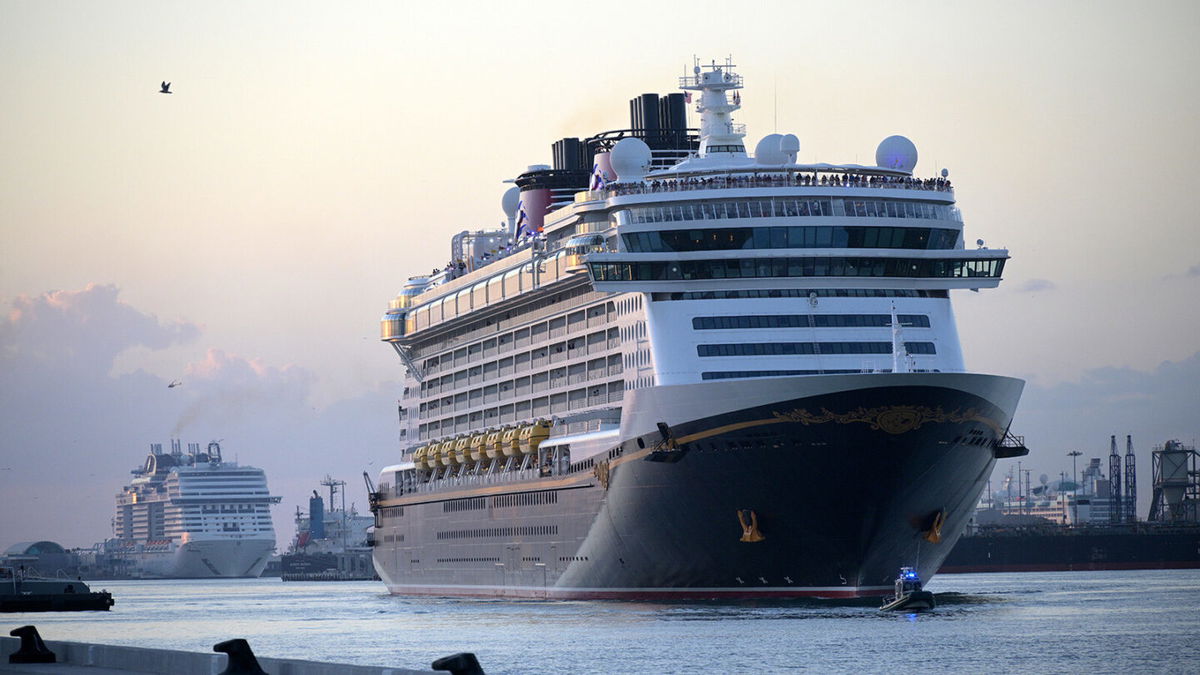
(775,93)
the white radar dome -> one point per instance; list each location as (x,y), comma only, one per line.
(768,151)
(790,146)
(630,159)
(510,200)
(896,152)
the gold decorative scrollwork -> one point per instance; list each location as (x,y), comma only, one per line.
(892,419)
(601,472)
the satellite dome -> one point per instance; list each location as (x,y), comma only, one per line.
(896,152)
(768,151)
(789,145)
(630,158)
(510,200)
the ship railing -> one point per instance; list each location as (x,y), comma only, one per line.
(722,182)
(474,480)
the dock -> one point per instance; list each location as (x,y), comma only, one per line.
(99,659)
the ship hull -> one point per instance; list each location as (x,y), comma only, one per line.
(819,486)
(1104,549)
(205,559)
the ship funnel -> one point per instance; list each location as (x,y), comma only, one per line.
(316,517)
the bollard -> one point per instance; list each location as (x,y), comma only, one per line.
(241,658)
(463,663)
(32,649)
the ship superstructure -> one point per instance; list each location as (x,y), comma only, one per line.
(193,515)
(692,371)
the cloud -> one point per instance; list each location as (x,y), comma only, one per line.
(71,428)
(1193,271)
(83,330)
(1036,285)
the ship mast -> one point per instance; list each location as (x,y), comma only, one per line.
(718,133)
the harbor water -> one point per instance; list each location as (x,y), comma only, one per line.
(1075,622)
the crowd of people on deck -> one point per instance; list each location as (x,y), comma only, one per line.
(939,184)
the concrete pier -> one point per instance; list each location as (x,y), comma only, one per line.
(95,659)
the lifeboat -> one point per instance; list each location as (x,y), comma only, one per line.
(491,444)
(462,450)
(446,456)
(418,457)
(478,441)
(433,455)
(509,440)
(532,436)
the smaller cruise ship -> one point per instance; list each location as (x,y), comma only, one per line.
(193,515)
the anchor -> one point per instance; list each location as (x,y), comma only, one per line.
(933,533)
(749,521)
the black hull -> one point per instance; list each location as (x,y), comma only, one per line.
(844,487)
(1119,549)
(56,602)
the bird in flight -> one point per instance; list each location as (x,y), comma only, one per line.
(166,88)
(175,383)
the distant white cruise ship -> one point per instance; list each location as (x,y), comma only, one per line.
(192,515)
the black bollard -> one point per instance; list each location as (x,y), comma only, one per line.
(241,658)
(463,663)
(32,649)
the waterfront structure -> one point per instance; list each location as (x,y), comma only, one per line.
(331,544)
(692,371)
(192,515)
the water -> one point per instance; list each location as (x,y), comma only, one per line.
(1074,622)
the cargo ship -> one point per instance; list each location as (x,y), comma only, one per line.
(1094,526)
(692,371)
(331,544)
(1138,546)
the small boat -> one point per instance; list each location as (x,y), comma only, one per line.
(22,592)
(909,596)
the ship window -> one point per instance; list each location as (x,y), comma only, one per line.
(807,321)
(808,348)
(809,237)
(797,267)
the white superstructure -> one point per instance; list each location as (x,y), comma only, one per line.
(721,266)
(194,515)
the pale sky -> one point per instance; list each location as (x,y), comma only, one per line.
(245,233)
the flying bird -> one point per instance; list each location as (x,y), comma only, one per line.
(175,383)
(166,87)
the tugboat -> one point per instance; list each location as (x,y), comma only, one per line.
(21,592)
(909,596)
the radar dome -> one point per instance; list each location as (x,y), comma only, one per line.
(510,200)
(630,158)
(790,146)
(896,152)
(768,151)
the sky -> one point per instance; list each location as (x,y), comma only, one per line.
(245,233)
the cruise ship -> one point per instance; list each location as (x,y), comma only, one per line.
(680,369)
(192,515)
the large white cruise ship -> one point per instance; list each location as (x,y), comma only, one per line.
(692,371)
(193,515)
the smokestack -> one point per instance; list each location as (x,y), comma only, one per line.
(316,517)
(1114,483)
(643,118)
(1130,480)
